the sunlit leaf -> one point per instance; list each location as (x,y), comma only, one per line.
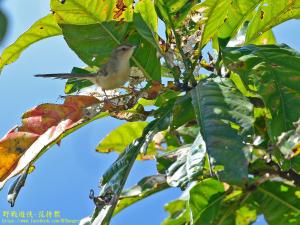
(240,38)
(236,79)
(236,208)
(279,203)
(238,12)
(273,72)
(266,38)
(205,201)
(82,12)
(147,11)
(271,13)
(214,14)
(246,215)
(122,136)
(43,28)
(210,203)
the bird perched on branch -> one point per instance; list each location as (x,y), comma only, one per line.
(111,75)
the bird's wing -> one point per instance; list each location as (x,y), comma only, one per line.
(103,71)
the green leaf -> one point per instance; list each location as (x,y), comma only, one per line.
(205,201)
(239,40)
(219,105)
(188,133)
(246,215)
(271,13)
(143,189)
(166,71)
(147,11)
(94,44)
(183,111)
(266,38)
(238,82)
(74,85)
(43,28)
(174,12)
(3,25)
(122,136)
(113,180)
(272,71)
(179,215)
(153,127)
(144,30)
(289,142)
(166,97)
(210,204)
(82,12)
(236,24)
(237,14)
(295,163)
(279,203)
(185,164)
(214,14)
(236,208)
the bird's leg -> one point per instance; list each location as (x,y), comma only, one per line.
(105,94)
(107,100)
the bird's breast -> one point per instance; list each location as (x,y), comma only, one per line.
(114,79)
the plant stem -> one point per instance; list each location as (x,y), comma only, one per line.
(186,60)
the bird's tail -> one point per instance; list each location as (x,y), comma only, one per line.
(89,76)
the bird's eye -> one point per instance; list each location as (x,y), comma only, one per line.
(123,49)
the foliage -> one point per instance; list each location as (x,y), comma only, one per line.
(228,137)
(3,25)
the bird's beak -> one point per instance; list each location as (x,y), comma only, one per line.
(133,47)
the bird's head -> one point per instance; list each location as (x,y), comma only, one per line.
(124,51)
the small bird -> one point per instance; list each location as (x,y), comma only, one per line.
(112,75)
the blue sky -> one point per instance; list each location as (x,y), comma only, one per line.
(65,174)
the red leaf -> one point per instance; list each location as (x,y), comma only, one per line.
(41,127)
